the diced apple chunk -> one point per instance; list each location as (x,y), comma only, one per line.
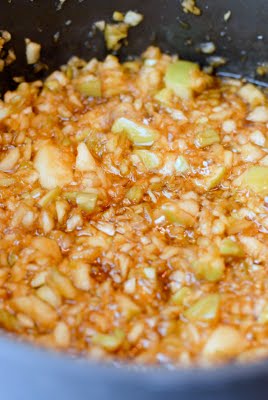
(10,160)
(259,114)
(251,94)
(224,342)
(84,159)
(54,167)
(255,179)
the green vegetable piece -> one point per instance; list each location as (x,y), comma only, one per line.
(210,268)
(255,179)
(205,309)
(149,158)
(89,86)
(181,164)
(135,194)
(176,215)
(206,138)
(49,197)
(179,77)
(230,248)
(110,342)
(139,134)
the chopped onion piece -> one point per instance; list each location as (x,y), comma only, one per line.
(133,18)
(32,51)
(181,164)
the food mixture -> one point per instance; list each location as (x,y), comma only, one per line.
(133,212)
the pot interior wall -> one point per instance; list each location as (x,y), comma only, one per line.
(241,39)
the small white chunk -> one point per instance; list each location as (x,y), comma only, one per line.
(10,160)
(54,167)
(32,51)
(84,159)
(133,18)
(259,114)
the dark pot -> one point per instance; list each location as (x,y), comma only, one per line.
(30,373)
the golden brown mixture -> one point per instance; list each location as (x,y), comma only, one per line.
(133,212)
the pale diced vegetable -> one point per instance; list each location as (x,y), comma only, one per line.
(89,86)
(49,295)
(10,160)
(6,182)
(174,214)
(62,335)
(215,178)
(114,33)
(225,342)
(138,134)
(49,197)
(209,267)
(110,342)
(180,296)
(179,78)
(259,114)
(4,112)
(164,96)
(54,168)
(149,158)
(230,248)
(181,164)
(251,153)
(80,275)
(205,309)
(117,16)
(207,137)
(127,307)
(251,94)
(32,51)
(8,321)
(47,248)
(62,283)
(133,18)
(135,194)
(263,317)
(255,178)
(86,201)
(84,160)
(38,310)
